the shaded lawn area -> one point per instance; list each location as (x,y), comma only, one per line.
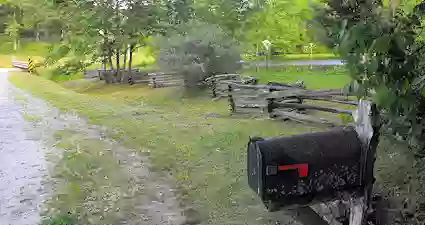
(206,154)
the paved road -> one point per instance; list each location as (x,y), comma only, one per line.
(22,163)
(274,63)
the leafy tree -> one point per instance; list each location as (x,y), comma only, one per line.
(230,15)
(106,30)
(282,22)
(13,22)
(178,11)
(37,15)
(142,21)
(385,53)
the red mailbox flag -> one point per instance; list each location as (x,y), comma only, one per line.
(302,169)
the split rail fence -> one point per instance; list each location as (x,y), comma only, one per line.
(284,101)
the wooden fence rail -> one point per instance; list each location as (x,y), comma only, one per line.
(157,80)
(153,79)
(284,101)
(20,65)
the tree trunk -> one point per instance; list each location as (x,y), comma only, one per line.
(37,33)
(15,44)
(111,64)
(46,34)
(62,34)
(130,65)
(124,65)
(118,72)
(104,54)
(105,60)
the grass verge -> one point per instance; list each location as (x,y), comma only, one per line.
(92,190)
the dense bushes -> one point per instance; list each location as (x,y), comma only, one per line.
(197,51)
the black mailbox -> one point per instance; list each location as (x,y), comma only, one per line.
(291,171)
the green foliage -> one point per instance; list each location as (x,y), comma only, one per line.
(71,67)
(202,51)
(230,15)
(179,12)
(282,22)
(385,59)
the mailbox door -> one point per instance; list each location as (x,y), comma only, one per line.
(255,168)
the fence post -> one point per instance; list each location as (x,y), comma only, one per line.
(231,101)
(153,82)
(270,107)
(214,87)
(130,79)
(366,119)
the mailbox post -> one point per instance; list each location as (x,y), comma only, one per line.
(297,172)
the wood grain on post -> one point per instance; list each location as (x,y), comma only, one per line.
(366,118)
(214,88)
(329,99)
(231,101)
(153,82)
(270,107)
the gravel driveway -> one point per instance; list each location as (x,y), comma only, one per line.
(22,163)
(27,127)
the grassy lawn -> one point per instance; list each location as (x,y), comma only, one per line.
(192,139)
(331,78)
(206,154)
(317,56)
(91,172)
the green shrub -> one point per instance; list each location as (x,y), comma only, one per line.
(198,51)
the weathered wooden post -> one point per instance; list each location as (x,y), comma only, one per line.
(312,170)
(214,87)
(367,125)
(232,106)
(130,79)
(153,82)
(270,107)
